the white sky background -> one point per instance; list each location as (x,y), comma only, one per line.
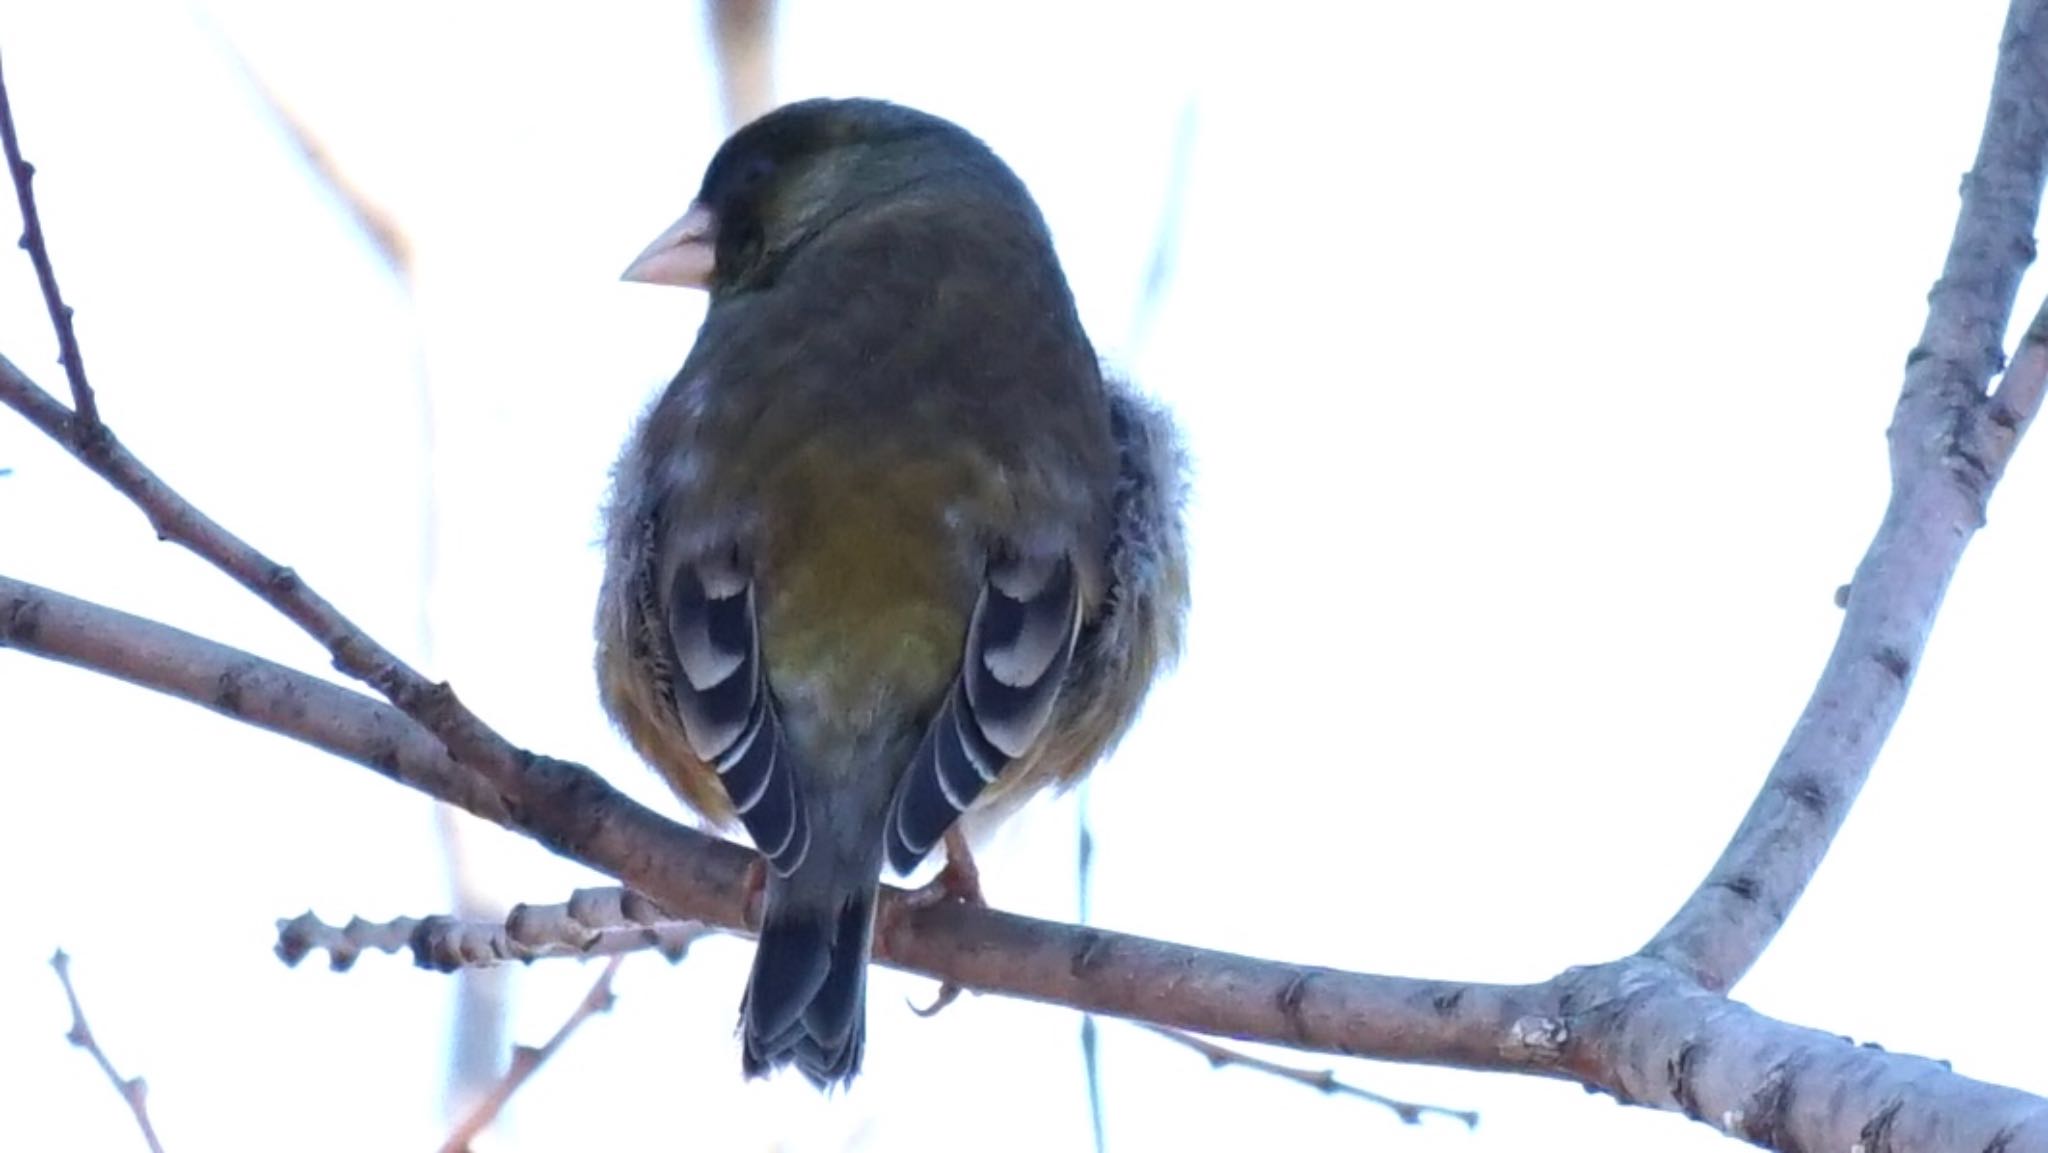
(1535,360)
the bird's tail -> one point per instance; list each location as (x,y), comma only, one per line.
(806,1001)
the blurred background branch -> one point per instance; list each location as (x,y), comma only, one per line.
(743,51)
(525,1061)
(134,1092)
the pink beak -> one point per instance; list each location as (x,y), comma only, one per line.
(683,255)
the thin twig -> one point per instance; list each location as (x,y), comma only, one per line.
(133,1090)
(593,922)
(23,174)
(527,1061)
(1322,1080)
(175,519)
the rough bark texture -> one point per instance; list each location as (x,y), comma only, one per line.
(1950,441)
(1636,1028)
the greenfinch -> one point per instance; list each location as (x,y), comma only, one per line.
(890,547)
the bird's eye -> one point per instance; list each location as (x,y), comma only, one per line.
(756,172)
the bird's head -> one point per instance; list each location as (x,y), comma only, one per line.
(787,177)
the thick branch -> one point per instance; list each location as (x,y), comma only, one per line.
(1950,441)
(1635,1028)
(532,796)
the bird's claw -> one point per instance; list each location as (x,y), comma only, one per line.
(948,993)
(959,879)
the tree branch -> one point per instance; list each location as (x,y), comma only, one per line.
(1950,441)
(1635,1028)
(530,795)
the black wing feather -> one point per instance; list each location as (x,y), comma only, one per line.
(728,714)
(1019,644)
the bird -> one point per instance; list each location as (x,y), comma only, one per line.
(890,548)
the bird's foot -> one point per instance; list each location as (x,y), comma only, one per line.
(959,880)
(948,993)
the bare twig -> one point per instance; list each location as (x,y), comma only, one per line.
(1950,441)
(527,1061)
(1321,1080)
(593,922)
(22,173)
(133,1090)
(434,706)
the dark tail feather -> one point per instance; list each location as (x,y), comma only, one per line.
(806,1002)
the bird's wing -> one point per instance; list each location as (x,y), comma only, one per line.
(727,712)
(1019,643)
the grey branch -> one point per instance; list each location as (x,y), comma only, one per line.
(1950,441)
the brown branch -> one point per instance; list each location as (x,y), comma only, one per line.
(1323,1081)
(1950,441)
(22,174)
(133,1090)
(537,799)
(526,1062)
(1635,1028)
(593,922)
